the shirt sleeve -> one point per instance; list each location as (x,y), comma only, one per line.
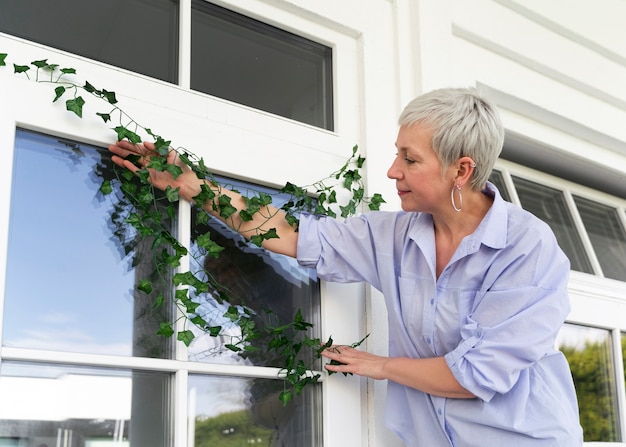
(514,322)
(339,251)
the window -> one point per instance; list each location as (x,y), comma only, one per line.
(590,355)
(233,57)
(80,283)
(607,236)
(248,62)
(85,366)
(63,405)
(549,205)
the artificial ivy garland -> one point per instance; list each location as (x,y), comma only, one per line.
(147,211)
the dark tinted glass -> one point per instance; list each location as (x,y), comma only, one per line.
(274,286)
(138,35)
(251,63)
(607,236)
(549,205)
(497,179)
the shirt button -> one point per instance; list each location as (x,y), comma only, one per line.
(432,301)
(439,412)
(428,340)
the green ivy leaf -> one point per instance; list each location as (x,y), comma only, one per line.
(68,70)
(20,68)
(172,194)
(375,201)
(186,337)
(214,331)
(109,96)
(59,91)
(286,397)
(75,105)
(105,116)
(89,88)
(173,169)
(124,133)
(165,329)
(41,63)
(145,286)
(106,188)
(232,347)
(3,56)
(205,241)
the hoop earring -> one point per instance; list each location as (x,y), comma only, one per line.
(456,208)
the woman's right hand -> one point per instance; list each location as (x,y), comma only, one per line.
(187,182)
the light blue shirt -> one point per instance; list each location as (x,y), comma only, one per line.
(493,313)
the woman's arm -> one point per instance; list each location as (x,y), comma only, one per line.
(430,375)
(189,186)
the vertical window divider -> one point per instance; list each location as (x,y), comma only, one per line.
(7,139)
(183,234)
(580,227)
(620,385)
(508,181)
(184,44)
(180,400)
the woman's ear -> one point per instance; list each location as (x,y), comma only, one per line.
(464,169)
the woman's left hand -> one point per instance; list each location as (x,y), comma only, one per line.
(353,361)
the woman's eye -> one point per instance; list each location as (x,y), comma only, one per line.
(408,160)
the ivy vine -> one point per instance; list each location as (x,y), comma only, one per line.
(148,212)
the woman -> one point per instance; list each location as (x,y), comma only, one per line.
(475,287)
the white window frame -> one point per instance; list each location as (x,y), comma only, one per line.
(234,140)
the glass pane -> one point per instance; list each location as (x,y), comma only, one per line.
(69,283)
(548,204)
(607,236)
(497,179)
(274,286)
(590,355)
(57,405)
(251,63)
(139,35)
(241,412)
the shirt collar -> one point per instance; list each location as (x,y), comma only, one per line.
(492,230)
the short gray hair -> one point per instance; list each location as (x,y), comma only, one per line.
(464,124)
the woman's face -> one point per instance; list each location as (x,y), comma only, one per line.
(417,171)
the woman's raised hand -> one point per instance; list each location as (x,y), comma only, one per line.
(187,182)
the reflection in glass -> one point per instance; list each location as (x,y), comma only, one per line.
(236,411)
(607,236)
(252,63)
(274,286)
(58,405)
(69,280)
(548,204)
(590,355)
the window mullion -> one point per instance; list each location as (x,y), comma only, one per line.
(580,226)
(183,234)
(180,407)
(184,44)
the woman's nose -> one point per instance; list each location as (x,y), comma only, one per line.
(393,172)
